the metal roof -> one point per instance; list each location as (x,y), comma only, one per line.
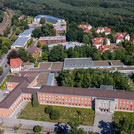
(67,45)
(26,32)
(77,62)
(20,41)
(47,17)
(50,79)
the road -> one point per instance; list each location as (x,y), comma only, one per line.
(6,21)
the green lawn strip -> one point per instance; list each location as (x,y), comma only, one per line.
(36,64)
(3,85)
(67,113)
(118,115)
(30,19)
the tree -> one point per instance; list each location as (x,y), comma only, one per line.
(37,32)
(7,44)
(31,58)
(42,20)
(23,54)
(55,115)
(12,55)
(37,129)
(4,49)
(38,45)
(45,55)
(85,39)
(105,41)
(35,102)
(1,70)
(48,109)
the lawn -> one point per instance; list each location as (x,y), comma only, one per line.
(30,19)
(3,85)
(118,115)
(67,113)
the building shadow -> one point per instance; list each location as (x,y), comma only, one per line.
(106,127)
(61,129)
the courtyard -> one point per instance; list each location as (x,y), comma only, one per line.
(67,113)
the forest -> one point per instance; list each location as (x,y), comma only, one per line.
(85,78)
(117,14)
(1,16)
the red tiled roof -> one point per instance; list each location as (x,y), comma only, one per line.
(85,26)
(32,49)
(132,40)
(97,41)
(105,28)
(86,31)
(14,63)
(120,35)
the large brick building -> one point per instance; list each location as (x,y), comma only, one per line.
(52,40)
(105,100)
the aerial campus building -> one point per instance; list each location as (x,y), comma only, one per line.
(103,99)
(60,25)
(22,39)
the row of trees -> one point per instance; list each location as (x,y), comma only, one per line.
(1,16)
(124,126)
(86,78)
(59,53)
(22,54)
(45,30)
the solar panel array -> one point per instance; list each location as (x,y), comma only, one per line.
(26,32)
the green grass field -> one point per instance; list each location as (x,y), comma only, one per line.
(67,113)
(118,115)
(30,19)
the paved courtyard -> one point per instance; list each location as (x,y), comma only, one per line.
(103,123)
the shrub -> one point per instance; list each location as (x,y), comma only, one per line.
(79,112)
(37,129)
(35,102)
(36,64)
(55,115)
(48,109)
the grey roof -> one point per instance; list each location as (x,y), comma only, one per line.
(52,38)
(106,87)
(77,62)
(50,79)
(20,41)
(26,32)
(67,45)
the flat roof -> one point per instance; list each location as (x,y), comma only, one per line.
(21,41)
(52,38)
(67,44)
(50,79)
(26,32)
(77,62)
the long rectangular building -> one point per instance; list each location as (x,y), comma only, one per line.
(105,100)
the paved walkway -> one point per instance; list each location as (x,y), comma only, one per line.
(103,123)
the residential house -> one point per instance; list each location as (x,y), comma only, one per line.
(100,41)
(33,50)
(16,65)
(106,30)
(121,37)
(86,27)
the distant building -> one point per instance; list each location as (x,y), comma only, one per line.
(106,30)
(104,48)
(100,41)
(21,17)
(66,45)
(86,27)
(52,40)
(60,25)
(85,63)
(132,41)
(16,65)
(33,50)
(121,37)
(22,39)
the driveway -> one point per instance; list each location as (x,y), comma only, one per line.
(103,123)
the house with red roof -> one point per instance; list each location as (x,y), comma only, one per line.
(106,30)
(104,48)
(33,50)
(86,27)
(132,41)
(16,65)
(121,37)
(100,41)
